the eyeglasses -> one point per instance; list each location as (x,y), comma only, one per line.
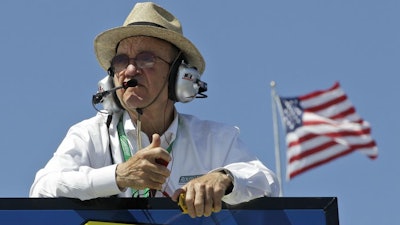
(144,60)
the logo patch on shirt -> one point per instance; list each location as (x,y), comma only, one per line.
(185,179)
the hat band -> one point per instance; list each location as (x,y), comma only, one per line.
(141,24)
(145,24)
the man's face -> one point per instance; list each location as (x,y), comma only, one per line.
(154,56)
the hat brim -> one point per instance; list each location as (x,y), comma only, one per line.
(106,42)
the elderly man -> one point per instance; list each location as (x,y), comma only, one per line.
(143,147)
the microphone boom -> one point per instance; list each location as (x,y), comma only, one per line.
(98,97)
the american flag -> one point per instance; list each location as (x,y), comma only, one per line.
(322,126)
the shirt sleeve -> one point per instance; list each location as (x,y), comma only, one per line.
(80,168)
(252,179)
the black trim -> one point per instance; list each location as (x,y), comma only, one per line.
(144,23)
(328,205)
(113,203)
(108,122)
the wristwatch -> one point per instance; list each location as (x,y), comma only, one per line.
(229,174)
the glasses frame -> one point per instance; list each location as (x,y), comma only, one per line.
(139,62)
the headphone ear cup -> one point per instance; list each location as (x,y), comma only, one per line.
(187,83)
(110,102)
(183,82)
(173,77)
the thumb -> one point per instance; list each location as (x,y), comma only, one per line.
(155,141)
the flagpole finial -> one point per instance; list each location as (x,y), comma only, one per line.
(272,84)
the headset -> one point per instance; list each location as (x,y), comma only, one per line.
(184,85)
(110,101)
(184,82)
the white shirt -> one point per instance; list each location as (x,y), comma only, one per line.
(82,165)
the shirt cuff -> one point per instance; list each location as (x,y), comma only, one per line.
(229,190)
(103,181)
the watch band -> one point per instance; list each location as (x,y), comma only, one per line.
(229,174)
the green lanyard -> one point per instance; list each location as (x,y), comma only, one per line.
(123,140)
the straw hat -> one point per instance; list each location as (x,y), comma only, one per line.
(147,19)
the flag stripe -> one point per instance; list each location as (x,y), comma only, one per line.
(317,93)
(343,114)
(327,104)
(317,142)
(333,105)
(296,172)
(310,136)
(320,148)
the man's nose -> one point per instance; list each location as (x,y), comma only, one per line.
(131,68)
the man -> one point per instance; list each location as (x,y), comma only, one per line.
(103,156)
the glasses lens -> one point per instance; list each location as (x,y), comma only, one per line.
(120,62)
(145,60)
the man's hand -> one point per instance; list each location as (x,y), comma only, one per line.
(203,195)
(142,170)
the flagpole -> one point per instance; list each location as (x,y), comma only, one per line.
(276,137)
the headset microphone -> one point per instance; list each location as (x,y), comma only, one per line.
(130,83)
(98,97)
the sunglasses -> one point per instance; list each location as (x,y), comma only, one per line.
(143,60)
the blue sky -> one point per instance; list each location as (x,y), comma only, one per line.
(50,73)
